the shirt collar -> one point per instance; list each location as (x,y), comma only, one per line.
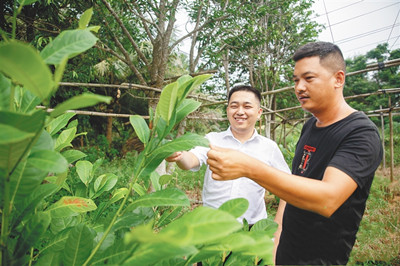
(228,133)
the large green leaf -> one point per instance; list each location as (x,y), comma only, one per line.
(5,89)
(71,206)
(24,180)
(236,207)
(49,259)
(84,170)
(26,2)
(28,204)
(267,226)
(10,154)
(58,123)
(31,233)
(167,102)
(73,155)
(80,101)
(184,142)
(79,245)
(49,161)
(44,142)
(23,64)
(141,128)
(168,216)
(104,183)
(189,85)
(68,44)
(151,254)
(85,18)
(166,197)
(185,108)
(65,138)
(11,135)
(207,225)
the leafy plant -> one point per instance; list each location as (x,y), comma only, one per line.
(48,218)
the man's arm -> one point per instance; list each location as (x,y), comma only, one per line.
(321,196)
(278,219)
(184,159)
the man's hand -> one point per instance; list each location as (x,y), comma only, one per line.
(226,164)
(175,157)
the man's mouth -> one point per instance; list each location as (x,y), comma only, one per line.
(240,119)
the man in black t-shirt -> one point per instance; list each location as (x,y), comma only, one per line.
(339,150)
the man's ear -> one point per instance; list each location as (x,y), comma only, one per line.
(340,78)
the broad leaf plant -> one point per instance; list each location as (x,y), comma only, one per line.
(49,219)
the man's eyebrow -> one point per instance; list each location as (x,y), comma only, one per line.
(303,74)
(238,102)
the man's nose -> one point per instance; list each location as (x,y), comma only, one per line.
(300,86)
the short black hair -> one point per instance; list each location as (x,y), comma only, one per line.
(244,88)
(329,54)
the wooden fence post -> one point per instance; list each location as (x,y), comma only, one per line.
(391,140)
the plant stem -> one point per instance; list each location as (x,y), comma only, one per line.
(110,226)
(5,218)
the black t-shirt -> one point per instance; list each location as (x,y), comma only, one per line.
(353,146)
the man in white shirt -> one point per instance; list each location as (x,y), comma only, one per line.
(243,111)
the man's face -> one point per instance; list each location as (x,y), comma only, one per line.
(314,85)
(243,111)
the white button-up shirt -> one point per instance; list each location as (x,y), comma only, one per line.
(215,193)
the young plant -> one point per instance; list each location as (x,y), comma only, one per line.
(28,153)
(43,224)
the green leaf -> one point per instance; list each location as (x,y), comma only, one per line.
(29,204)
(119,194)
(11,153)
(5,89)
(104,183)
(11,135)
(65,139)
(189,85)
(166,197)
(58,73)
(71,206)
(32,233)
(84,170)
(79,245)
(150,254)
(168,216)
(139,189)
(237,207)
(73,155)
(68,44)
(165,179)
(25,101)
(80,101)
(49,161)
(23,64)
(155,177)
(141,128)
(185,108)
(184,142)
(26,2)
(58,123)
(166,104)
(49,259)
(85,18)
(267,226)
(44,142)
(206,223)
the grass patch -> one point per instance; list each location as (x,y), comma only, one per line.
(378,239)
